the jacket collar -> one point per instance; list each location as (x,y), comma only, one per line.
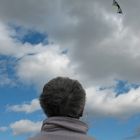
(64,123)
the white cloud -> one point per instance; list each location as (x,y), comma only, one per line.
(47,60)
(106,104)
(27,108)
(40,67)
(101,43)
(8,46)
(11,47)
(103,46)
(25,126)
(3,128)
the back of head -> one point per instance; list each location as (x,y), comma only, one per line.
(63,97)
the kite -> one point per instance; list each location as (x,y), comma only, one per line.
(115,3)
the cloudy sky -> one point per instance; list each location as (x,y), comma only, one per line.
(82,39)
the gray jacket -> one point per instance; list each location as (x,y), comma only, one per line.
(63,128)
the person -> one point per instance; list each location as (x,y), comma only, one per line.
(63,100)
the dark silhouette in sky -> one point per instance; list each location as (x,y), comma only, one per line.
(115,3)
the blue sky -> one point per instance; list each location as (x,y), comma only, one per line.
(84,40)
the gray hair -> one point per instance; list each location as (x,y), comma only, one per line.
(63,96)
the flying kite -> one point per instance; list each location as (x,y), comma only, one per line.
(115,3)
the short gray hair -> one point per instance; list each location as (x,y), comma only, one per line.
(63,96)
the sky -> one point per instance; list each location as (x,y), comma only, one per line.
(84,40)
